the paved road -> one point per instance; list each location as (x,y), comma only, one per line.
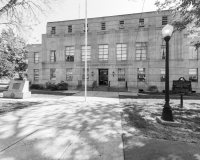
(68,128)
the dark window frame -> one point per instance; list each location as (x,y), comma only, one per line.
(120,50)
(121,74)
(164,20)
(88,55)
(36,75)
(69,54)
(36,58)
(103,26)
(69,28)
(141,48)
(141,75)
(193,77)
(103,50)
(53,56)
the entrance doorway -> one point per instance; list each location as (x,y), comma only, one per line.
(103,77)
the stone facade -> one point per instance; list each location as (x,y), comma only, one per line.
(143,49)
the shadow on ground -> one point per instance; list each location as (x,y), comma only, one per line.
(61,129)
(144,138)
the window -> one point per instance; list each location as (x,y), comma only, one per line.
(193,75)
(193,52)
(141,74)
(162,74)
(141,50)
(53,74)
(88,53)
(121,74)
(36,75)
(70,29)
(164,20)
(53,56)
(36,57)
(163,52)
(141,22)
(69,53)
(121,52)
(53,30)
(84,74)
(103,52)
(103,26)
(69,74)
(84,28)
(121,24)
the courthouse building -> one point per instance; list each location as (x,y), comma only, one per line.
(123,51)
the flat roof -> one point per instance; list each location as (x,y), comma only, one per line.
(110,16)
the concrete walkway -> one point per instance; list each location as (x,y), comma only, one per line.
(65,129)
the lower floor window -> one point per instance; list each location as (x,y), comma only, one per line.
(121,74)
(141,74)
(162,74)
(84,74)
(193,75)
(53,74)
(36,75)
(69,75)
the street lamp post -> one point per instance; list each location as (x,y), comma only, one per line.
(167,111)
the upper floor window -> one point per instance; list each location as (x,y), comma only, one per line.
(121,52)
(141,74)
(84,28)
(69,28)
(141,50)
(103,52)
(164,20)
(69,74)
(53,30)
(162,74)
(193,52)
(36,57)
(103,26)
(163,51)
(121,74)
(88,53)
(36,75)
(69,53)
(53,56)
(141,22)
(121,24)
(53,74)
(193,75)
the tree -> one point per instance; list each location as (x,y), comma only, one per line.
(13,59)
(21,14)
(186,14)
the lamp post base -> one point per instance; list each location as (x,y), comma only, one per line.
(167,113)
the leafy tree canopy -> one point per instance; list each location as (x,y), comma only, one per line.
(13,54)
(186,14)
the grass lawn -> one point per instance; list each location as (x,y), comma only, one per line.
(139,119)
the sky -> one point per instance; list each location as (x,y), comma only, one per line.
(75,9)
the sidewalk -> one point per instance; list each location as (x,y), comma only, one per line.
(68,128)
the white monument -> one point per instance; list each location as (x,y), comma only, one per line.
(18,89)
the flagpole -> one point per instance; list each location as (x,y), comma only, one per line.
(85,50)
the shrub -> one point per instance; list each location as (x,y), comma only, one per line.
(37,86)
(49,85)
(153,88)
(60,86)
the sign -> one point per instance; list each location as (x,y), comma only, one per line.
(182,86)
(16,86)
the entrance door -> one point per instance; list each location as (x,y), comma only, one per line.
(103,77)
